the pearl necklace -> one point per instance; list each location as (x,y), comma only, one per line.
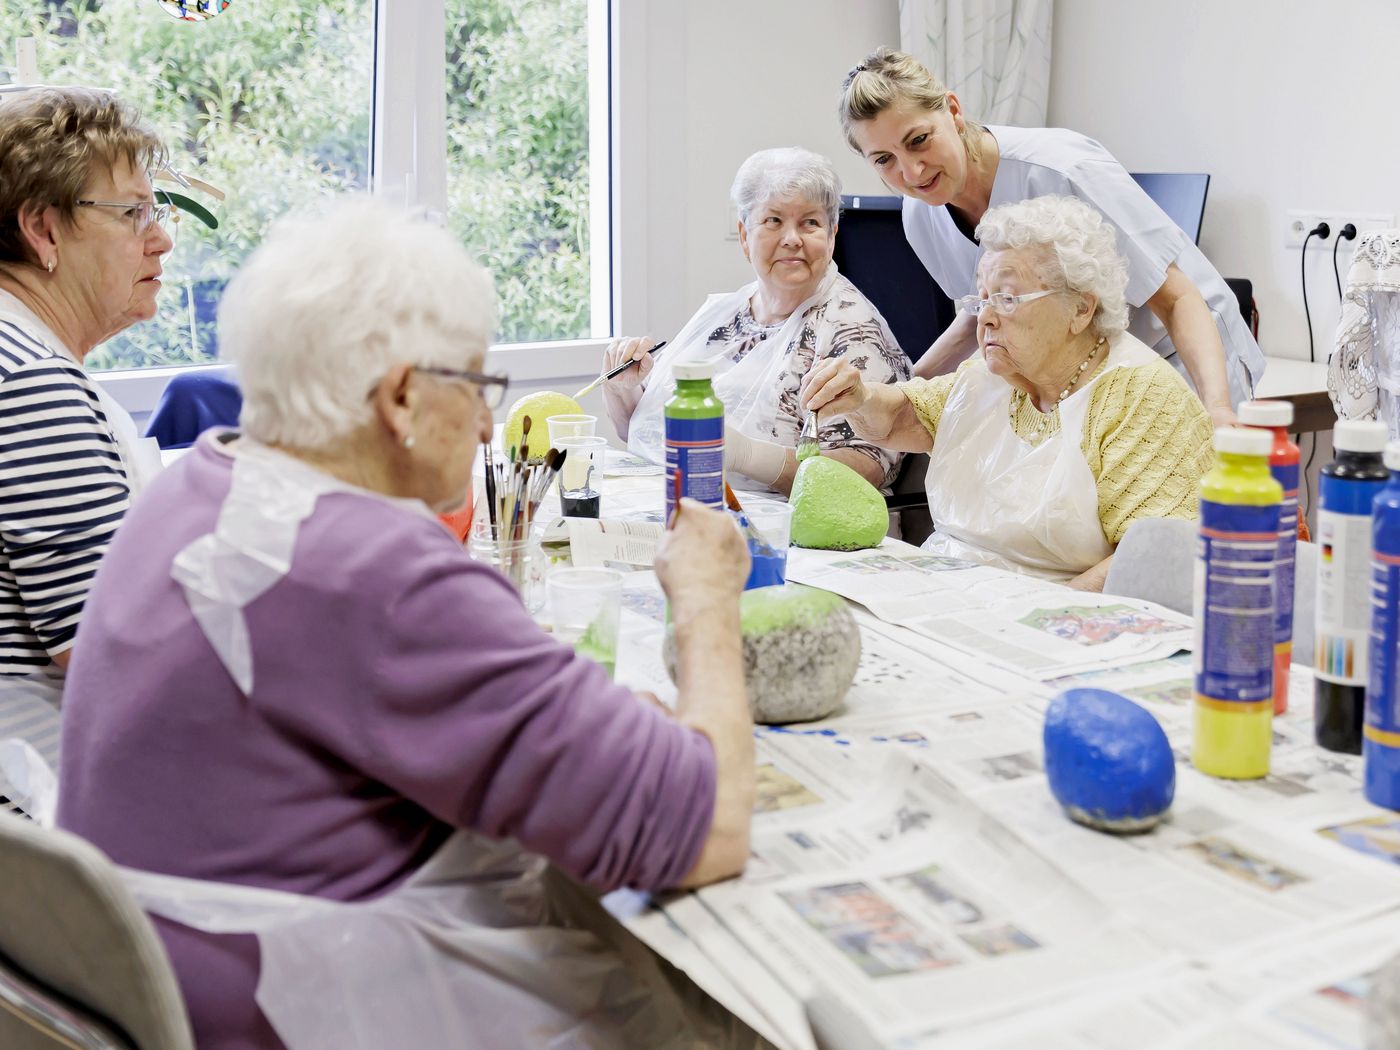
(1048,422)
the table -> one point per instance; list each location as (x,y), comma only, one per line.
(1304,384)
(911,869)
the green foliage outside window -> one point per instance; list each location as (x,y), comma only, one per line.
(272,103)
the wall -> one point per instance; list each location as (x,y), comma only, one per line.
(715,82)
(1286,103)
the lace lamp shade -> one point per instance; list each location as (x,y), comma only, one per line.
(1363,372)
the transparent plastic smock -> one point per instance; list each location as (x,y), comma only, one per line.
(748,388)
(1001,501)
(484,946)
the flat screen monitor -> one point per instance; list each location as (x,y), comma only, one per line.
(1182,196)
(872,252)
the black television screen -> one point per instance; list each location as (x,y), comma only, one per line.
(872,252)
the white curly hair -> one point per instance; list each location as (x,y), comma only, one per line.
(327,305)
(1080,251)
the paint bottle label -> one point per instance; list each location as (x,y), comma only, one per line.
(1381,743)
(1343,621)
(1287,476)
(1235,625)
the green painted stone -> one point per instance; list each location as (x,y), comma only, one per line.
(835,509)
(801,649)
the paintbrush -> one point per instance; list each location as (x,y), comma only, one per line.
(614,373)
(752,536)
(676,513)
(525,440)
(491,489)
(807,444)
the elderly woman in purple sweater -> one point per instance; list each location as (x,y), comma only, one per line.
(291,678)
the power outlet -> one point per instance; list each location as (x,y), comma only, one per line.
(1300,222)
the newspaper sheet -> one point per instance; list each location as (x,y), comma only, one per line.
(910,906)
(1014,622)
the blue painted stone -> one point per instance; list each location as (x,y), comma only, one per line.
(1108,761)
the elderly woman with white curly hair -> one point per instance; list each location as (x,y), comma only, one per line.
(298,700)
(1064,430)
(765,337)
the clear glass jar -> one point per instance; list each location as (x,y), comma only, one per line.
(521,561)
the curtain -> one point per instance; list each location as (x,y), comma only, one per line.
(994,54)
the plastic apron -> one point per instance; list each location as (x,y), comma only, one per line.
(748,388)
(998,500)
(483,946)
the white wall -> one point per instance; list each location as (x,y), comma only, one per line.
(1288,104)
(722,79)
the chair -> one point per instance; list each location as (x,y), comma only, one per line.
(191,403)
(909,499)
(80,963)
(1156,560)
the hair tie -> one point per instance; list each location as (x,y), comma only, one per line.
(859,67)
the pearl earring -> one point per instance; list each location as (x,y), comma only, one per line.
(52,264)
(408,441)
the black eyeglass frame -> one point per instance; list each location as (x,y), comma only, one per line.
(493,387)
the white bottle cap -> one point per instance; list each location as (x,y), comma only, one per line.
(1266,413)
(693,369)
(1392,455)
(1243,441)
(1359,435)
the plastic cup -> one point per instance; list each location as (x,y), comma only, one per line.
(586,608)
(570,426)
(581,477)
(768,552)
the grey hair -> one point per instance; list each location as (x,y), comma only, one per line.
(1080,250)
(783,174)
(327,305)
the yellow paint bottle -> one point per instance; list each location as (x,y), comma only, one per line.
(1236,574)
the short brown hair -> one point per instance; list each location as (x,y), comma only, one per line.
(886,78)
(52,142)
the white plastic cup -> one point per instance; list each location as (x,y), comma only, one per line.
(584,452)
(585,606)
(772,521)
(570,426)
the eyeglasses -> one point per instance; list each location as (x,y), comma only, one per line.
(143,214)
(492,386)
(1002,302)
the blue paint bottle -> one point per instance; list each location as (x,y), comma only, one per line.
(1350,484)
(1381,744)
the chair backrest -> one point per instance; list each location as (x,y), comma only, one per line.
(909,498)
(72,934)
(1156,560)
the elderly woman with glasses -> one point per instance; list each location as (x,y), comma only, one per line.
(766,336)
(1065,429)
(295,693)
(80,260)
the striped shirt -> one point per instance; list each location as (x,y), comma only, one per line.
(63,491)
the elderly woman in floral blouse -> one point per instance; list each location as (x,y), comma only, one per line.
(765,337)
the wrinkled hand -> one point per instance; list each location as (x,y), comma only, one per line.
(622,350)
(833,388)
(702,557)
(1223,416)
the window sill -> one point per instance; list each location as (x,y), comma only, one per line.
(138,390)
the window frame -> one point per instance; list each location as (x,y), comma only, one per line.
(408,164)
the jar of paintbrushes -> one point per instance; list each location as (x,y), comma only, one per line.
(503,533)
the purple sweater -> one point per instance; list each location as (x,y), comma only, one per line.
(400,691)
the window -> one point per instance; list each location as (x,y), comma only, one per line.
(276,103)
(518,189)
(270,102)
